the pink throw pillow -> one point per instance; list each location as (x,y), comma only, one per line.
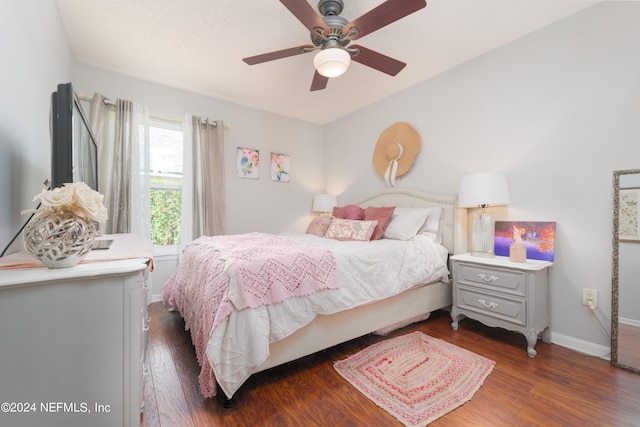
(382,215)
(319,225)
(348,212)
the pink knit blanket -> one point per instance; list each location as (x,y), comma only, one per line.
(219,274)
(267,269)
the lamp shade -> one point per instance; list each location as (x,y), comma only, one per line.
(332,62)
(482,190)
(324,202)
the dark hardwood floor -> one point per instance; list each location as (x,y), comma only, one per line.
(559,387)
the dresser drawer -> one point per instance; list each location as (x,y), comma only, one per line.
(500,307)
(503,280)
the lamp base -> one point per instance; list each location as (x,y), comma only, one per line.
(482,232)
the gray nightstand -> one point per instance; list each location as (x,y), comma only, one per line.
(501,293)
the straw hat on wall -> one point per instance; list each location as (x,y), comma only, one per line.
(395,151)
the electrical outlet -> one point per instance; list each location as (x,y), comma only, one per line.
(590,295)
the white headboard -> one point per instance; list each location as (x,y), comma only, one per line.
(454,236)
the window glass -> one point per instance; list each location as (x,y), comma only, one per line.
(165,148)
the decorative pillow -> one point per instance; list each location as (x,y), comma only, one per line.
(348,212)
(349,229)
(382,215)
(319,225)
(433,226)
(406,223)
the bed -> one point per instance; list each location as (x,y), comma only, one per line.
(248,337)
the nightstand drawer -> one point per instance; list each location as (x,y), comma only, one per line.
(501,307)
(496,279)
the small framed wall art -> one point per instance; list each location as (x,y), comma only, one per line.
(537,237)
(279,167)
(248,163)
(628,214)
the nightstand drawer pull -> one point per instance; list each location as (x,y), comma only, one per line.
(487,278)
(490,305)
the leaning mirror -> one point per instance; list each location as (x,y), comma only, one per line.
(625,269)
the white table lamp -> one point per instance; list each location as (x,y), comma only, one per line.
(481,190)
(324,203)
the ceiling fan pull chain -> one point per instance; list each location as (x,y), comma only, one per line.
(392,169)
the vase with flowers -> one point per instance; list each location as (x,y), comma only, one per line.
(63,228)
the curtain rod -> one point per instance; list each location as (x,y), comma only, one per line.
(84,97)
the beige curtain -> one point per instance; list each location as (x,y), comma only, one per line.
(122,164)
(203,190)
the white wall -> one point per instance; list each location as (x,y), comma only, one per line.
(35,58)
(557,111)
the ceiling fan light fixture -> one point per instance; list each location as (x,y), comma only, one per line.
(332,62)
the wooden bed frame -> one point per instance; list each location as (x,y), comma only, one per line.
(328,330)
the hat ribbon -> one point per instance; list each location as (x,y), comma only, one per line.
(392,169)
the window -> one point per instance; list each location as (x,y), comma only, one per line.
(165,163)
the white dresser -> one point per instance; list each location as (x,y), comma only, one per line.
(72,344)
(498,292)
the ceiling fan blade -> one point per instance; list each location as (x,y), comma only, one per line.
(377,61)
(278,54)
(382,15)
(319,82)
(305,13)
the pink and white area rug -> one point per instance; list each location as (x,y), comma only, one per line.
(415,377)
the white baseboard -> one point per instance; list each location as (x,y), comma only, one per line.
(630,322)
(581,346)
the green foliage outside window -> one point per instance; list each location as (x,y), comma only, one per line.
(166,207)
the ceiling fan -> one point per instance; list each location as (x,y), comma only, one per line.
(331,35)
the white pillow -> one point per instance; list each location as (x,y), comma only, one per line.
(433,226)
(406,223)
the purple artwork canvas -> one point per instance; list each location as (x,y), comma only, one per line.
(538,238)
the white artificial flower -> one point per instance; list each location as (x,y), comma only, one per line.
(61,196)
(89,202)
(77,198)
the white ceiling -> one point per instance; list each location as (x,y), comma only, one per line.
(198,45)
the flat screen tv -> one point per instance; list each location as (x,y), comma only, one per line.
(74,153)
